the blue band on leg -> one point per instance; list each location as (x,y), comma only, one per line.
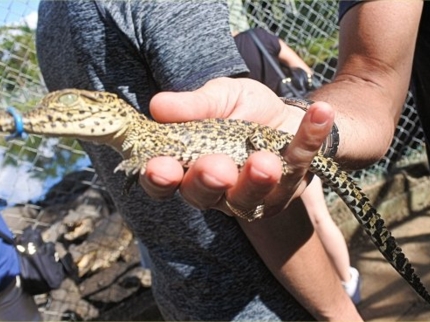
(19,124)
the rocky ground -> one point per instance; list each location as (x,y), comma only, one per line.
(85,226)
(111,284)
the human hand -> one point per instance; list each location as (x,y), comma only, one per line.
(213,177)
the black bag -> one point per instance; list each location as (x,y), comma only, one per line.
(293,82)
(41,268)
(296,83)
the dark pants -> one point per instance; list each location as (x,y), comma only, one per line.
(16,305)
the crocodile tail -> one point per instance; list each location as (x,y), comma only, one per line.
(8,119)
(369,219)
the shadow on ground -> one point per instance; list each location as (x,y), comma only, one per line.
(385,295)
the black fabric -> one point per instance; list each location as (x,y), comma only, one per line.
(260,69)
(296,84)
(421,72)
(41,269)
(260,51)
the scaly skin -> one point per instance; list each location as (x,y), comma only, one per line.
(103,118)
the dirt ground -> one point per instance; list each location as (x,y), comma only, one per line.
(385,295)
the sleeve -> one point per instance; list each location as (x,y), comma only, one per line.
(185,43)
(269,40)
(345,5)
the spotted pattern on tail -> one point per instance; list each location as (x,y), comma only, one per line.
(369,219)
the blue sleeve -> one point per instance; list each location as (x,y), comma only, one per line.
(9,265)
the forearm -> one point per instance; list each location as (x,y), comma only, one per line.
(374,69)
(290,58)
(292,251)
(365,125)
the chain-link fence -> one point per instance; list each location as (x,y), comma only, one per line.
(50,183)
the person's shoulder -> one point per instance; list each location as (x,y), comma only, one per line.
(263,33)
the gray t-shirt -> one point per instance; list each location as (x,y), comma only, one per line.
(204,268)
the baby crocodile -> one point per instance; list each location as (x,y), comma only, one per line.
(104,118)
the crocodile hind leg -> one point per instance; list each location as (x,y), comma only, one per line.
(128,183)
(132,165)
(271,140)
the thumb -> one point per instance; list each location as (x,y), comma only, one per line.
(313,130)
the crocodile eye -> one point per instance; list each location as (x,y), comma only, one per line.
(68,99)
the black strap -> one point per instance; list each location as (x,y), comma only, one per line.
(273,63)
(6,238)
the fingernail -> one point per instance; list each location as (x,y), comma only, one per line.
(319,117)
(209,180)
(160,181)
(258,174)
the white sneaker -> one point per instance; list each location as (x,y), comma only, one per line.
(352,287)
